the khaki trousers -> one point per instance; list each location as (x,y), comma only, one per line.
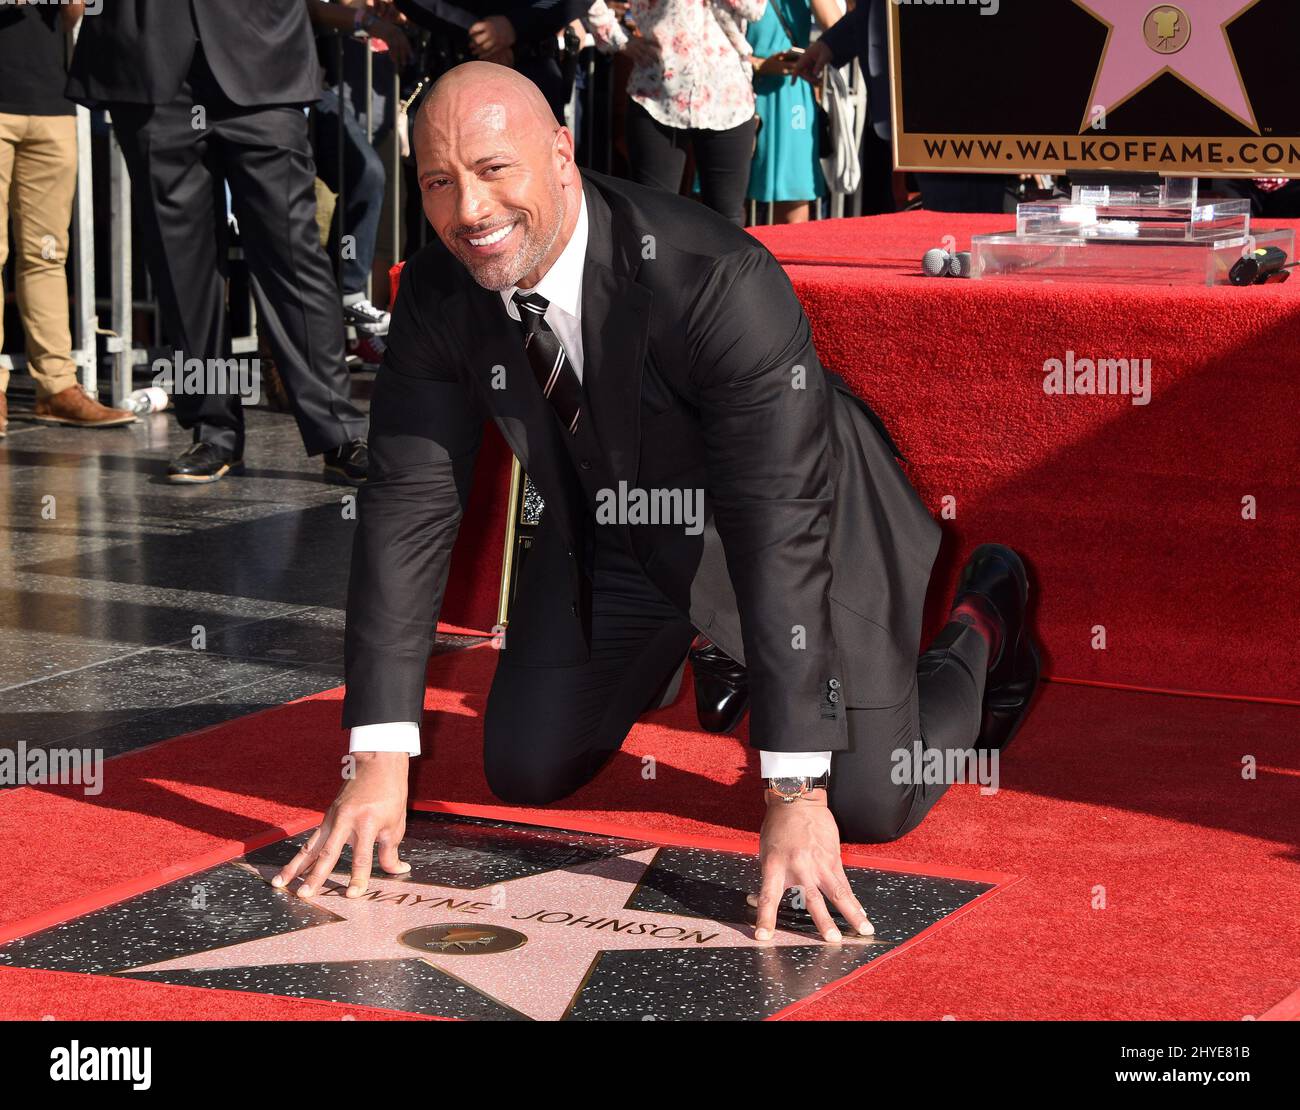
(38,180)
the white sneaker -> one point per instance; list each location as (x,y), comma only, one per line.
(366,318)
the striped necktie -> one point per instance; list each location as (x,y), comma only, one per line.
(555,374)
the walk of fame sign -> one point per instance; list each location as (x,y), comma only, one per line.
(1133,86)
(498,921)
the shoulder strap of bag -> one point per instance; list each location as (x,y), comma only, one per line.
(785,23)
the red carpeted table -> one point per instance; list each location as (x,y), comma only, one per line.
(1131,517)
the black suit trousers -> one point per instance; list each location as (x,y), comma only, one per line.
(180,156)
(549,730)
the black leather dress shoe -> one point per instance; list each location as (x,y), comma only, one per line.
(721,687)
(347,465)
(203,462)
(996,574)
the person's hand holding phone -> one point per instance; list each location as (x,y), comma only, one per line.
(812,61)
(776,65)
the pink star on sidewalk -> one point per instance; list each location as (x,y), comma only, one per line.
(1188,39)
(528,943)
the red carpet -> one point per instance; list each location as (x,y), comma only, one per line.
(1129,516)
(1136,795)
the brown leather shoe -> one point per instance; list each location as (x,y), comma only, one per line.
(77,407)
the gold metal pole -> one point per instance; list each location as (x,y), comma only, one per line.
(508,555)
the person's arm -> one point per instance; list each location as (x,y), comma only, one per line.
(846,37)
(764,404)
(765,409)
(605,28)
(425,431)
(751,10)
(780,765)
(827,13)
(842,41)
(350,18)
(730,25)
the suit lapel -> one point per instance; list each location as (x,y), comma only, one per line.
(615,326)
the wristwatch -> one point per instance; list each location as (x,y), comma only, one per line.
(793,788)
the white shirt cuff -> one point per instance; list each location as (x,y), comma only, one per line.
(397,736)
(784,765)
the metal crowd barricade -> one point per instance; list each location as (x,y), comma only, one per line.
(122,344)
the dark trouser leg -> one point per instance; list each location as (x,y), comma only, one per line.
(723,160)
(656,153)
(941,712)
(268,162)
(180,202)
(363,193)
(548,730)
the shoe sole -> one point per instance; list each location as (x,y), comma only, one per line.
(1012,558)
(338,477)
(1029,701)
(128,419)
(205,479)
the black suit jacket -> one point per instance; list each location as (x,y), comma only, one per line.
(138,51)
(816,555)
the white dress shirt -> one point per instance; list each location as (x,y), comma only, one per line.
(561,285)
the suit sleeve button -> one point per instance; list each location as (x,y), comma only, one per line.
(832,696)
(833,683)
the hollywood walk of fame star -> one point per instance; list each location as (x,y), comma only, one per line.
(567,919)
(1143,41)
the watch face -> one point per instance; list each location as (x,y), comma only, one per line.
(789,786)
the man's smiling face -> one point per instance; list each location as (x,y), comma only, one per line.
(496,174)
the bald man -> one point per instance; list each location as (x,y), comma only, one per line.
(635,348)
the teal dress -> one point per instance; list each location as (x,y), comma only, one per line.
(785,163)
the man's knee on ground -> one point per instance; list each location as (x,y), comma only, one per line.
(523,790)
(518,778)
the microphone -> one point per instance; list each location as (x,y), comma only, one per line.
(935,263)
(1260,267)
(940,263)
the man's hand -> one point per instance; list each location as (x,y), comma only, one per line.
(369,811)
(800,847)
(812,61)
(399,45)
(487,36)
